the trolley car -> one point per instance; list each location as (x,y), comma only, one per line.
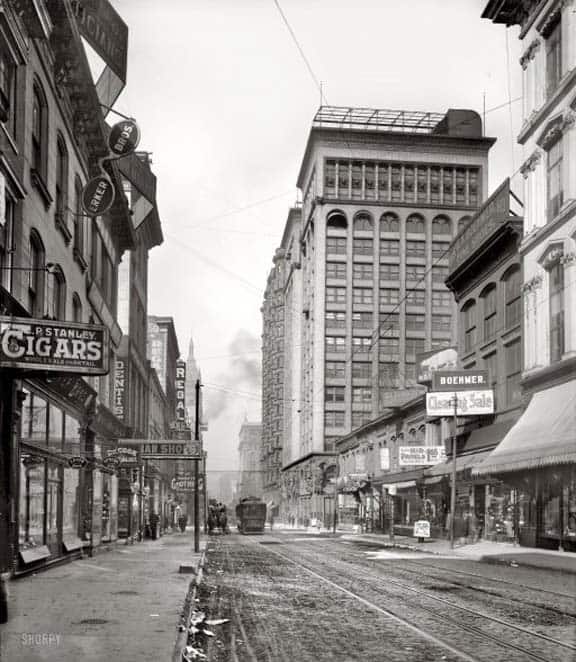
(251,515)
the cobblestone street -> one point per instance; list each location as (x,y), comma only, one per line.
(290,596)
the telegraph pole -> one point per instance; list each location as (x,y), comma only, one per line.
(196,471)
(453,483)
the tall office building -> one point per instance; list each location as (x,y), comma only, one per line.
(384,193)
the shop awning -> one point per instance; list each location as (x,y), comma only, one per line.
(544,435)
(406,478)
(462,462)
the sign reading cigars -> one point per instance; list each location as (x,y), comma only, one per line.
(54,346)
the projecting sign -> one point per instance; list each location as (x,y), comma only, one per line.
(98,196)
(469,403)
(124,138)
(180,391)
(119,388)
(165,449)
(410,456)
(121,456)
(461,380)
(53,346)
(186,483)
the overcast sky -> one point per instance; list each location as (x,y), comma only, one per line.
(225,100)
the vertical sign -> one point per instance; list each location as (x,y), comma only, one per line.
(119,388)
(181,391)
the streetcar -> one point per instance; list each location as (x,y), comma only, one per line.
(251,515)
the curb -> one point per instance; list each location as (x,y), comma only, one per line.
(188,607)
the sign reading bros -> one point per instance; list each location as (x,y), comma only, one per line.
(53,345)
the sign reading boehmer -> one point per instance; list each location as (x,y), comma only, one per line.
(460,380)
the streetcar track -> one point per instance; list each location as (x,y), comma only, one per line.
(422,633)
(435,614)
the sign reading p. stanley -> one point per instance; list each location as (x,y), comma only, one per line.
(53,345)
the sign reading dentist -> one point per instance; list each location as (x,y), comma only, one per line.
(54,346)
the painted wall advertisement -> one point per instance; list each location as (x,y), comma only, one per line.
(53,346)
(410,456)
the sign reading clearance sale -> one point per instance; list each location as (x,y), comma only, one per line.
(55,346)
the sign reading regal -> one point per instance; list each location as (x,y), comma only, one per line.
(55,346)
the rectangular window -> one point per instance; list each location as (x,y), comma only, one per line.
(361,271)
(513,359)
(491,364)
(336,245)
(396,182)
(361,394)
(335,295)
(335,319)
(335,344)
(388,375)
(416,297)
(336,270)
(439,249)
(390,272)
(389,349)
(330,179)
(369,181)
(334,419)
(490,314)
(335,369)
(389,322)
(441,299)
(7,87)
(439,274)
(356,180)
(389,296)
(361,344)
(415,322)
(363,246)
(414,346)
(469,317)
(363,295)
(416,248)
(343,179)
(415,272)
(362,320)
(442,323)
(334,393)
(389,247)
(553,58)
(361,370)
(513,299)
(554,178)
(556,280)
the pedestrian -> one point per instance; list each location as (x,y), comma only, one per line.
(177,516)
(182,521)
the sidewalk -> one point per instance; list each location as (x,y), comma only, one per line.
(118,606)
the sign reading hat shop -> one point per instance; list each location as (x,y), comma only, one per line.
(124,138)
(52,345)
(98,196)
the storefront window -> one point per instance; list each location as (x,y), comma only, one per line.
(55,428)
(500,507)
(32,486)
(53,485)
(71,503)
(38,416)
(72,436)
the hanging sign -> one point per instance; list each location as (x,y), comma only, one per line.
(124,138)
(460,380)
(52,345)
(98,196)
(184,483)
(411,456)
(468,403)
(77,462)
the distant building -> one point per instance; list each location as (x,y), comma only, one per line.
(384,193)
(163,353)
(250,439)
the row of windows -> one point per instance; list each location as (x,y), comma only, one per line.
(365,246)
(480,318)
(390,295)
(401,182)
(388,321)
(387,346)
(365,271)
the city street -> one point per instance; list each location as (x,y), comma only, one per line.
(289,595)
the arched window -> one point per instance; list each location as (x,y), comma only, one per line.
(489,311)
(78,219)
(468,316)
(389,223)
(415,224)
(56,293)
(441,225)
(463,223)
(39,132)
(61,206)
(337,220)
(363,222)
(512,280)
(36,275)
(76,308)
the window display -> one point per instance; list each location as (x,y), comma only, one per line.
(32,489)
(71,500)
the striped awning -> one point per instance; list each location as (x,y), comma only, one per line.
(462,462)
(544,435)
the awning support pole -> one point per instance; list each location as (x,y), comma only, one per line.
(453,485)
